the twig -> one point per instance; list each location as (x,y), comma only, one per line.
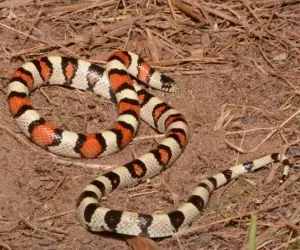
(287,243)
(154,51)
(39,39)
(221,14)
(55,216)
(292,178)
(56,188)
(219,59)
(189,11)
(13,134)
(265,139)
(148,137)
(20,32)
(292,226)
(84,164)
(143,193)
(35,228)
(171,9)
(198,228)
(246,4)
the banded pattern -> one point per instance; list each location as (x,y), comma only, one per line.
(86,76)
(98,218)
(133,102)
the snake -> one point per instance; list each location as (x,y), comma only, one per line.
(115,82)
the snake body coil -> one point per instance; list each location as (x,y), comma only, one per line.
(114,83)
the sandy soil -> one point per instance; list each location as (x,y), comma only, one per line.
(239,80)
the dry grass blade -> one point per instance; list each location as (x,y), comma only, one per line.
(194,229)
(252,233)
(273,131)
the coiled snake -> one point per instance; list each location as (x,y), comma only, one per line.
(133,101)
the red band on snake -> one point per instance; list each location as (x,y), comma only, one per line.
(115,83)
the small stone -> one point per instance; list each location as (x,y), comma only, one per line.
(85,238)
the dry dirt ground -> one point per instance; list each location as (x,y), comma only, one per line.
(237,65)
